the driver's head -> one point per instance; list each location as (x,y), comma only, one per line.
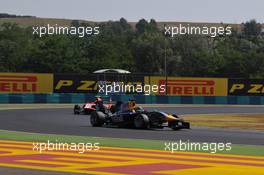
(131,104)
(98,98)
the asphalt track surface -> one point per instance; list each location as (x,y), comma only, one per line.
(62,121)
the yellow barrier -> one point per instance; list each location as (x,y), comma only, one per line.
(179,86)
(26,83)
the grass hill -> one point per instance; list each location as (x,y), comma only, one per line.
(36,21)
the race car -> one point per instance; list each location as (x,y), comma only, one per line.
(89,107)
(137,118)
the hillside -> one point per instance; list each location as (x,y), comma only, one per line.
(33,21)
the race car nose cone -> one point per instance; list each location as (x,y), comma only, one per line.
(170,118)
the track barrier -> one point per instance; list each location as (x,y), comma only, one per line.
(141,99)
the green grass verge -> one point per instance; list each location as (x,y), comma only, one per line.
(241,121)
(117,142)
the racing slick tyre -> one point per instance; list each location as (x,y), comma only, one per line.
(141,121)
(77,109)
(97,118)
(176,125)
(112,109)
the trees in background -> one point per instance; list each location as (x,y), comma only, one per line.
(141,48)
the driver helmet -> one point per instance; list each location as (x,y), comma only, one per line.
(98,98)
(131,104)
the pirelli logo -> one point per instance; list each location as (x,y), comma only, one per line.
(190,87)
(246,87)
(25,83)
(187,86)
(18,83)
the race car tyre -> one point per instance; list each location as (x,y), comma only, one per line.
(97,118)
(112,109)
(77,109)
(141,121)
(176,125)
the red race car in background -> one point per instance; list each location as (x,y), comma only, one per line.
(88,108)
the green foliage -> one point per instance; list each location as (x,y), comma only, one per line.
(252,28)
(141,49)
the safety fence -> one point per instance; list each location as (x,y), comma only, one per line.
(142,99)
(175,86)
(73,88)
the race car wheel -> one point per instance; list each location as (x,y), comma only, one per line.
(175,125)
(141,121)
(97,118)
(77,109)
(112,109)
